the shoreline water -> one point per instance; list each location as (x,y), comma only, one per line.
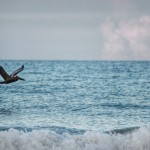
(70,105)
(90,140)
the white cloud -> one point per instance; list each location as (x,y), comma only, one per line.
(126,40)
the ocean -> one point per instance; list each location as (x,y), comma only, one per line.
(76,105)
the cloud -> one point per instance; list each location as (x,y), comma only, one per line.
(126,40)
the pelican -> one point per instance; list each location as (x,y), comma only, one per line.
(10,78)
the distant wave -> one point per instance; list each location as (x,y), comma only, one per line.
(121,106)
(123,131)
(47,140)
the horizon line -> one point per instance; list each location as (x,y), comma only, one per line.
(70,60)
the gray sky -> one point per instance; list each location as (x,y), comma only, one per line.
(75,29)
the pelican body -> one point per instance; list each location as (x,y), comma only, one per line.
(10,78)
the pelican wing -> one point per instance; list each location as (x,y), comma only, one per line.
(17,71)
(4,74)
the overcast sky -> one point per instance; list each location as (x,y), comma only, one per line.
(75,29)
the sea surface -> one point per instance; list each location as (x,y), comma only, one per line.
(76,105)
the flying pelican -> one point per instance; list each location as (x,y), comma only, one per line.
(12,77)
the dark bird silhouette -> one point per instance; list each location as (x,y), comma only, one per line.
(10,78)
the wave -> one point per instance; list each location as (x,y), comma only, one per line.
(57,129)
(124,106)
(123,131)
(47,140)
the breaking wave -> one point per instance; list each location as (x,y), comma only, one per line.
(14,139)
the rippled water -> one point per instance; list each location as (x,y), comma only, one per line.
(76,97)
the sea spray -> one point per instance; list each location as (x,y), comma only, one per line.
(90,140)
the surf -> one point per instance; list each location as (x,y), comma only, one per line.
(90,140)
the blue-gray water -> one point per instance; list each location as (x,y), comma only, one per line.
(71,104)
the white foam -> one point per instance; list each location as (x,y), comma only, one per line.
(46,140)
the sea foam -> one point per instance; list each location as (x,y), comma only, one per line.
(47,140)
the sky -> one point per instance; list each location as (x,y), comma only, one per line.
(75,29)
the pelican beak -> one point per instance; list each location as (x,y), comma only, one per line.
(21,79)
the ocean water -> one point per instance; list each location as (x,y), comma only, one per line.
(76,105)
